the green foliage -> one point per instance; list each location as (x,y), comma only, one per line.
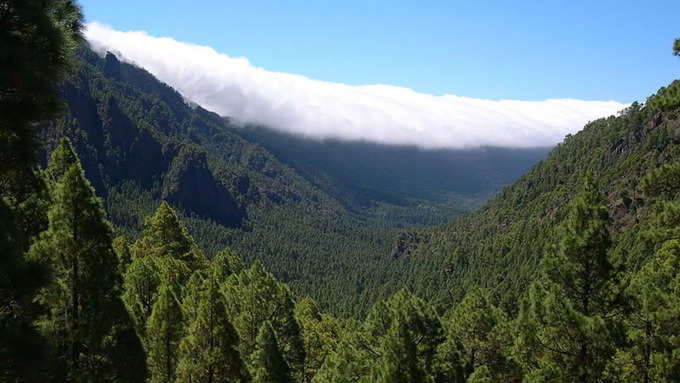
(37,39)
(166,236)
(485,334)
(140,291)
(255,297)
(268,364)
(662,181)
(321,334)
(23,352)
(165,254)
(399,362)
(81,300)
(652,327)
(667,99)
(568,322)
(209,351)
(363,349)
(122,250)
(226,263)
(676,47)
(163,333)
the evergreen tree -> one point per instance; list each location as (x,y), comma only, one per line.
(481,375)
(254,297)
(209,352)
(122,250)
(166,236)
(450,361)
(652,352)
(340,366)
(77,248)
(269,365)
(140,291)
(191,297)
(163,334)
(399,362)
(360,353)
(482,329)
(38,38)
(565,326)
(23,352)
(164,253)
(226,263)
(321,334)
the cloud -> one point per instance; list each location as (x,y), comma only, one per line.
(380,113)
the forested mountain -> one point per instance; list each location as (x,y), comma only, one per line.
(500,245)
(361,174)
(316,213)
(570,274)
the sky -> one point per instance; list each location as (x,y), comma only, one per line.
(430,73)
(529,50)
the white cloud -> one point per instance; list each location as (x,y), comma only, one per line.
(380,113)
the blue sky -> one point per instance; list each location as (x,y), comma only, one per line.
(591,50)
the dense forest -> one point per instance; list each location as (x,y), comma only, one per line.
(317,213)
(569,274)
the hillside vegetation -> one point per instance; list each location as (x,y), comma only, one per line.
(330,224)
(500,245)
(571,274)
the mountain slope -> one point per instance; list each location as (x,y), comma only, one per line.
(362,175)
(499,246)
(140,143)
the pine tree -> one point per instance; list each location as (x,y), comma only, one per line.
(253,297)
(23,352)
(140,291)
(360,353)
(38,38)
(164,253)
(192,293)
(652,352)
(481,375)
(308,316)
(163,334)
(482,329)
(209,352)
(122,250)
(166,236)
(565,325)
(269,365)
(399,362)
(451,361)
(226,263)
(77,248)
(321,334)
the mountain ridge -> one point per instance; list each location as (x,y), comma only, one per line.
(141,143)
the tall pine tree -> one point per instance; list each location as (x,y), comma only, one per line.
(399,362)
(165,252)
(209,351)
(483,330)
(254,297)
(163,334)
(268,364)
(565,326)
(81,298)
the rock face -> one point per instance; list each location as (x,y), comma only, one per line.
(407,242)
(190,185)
